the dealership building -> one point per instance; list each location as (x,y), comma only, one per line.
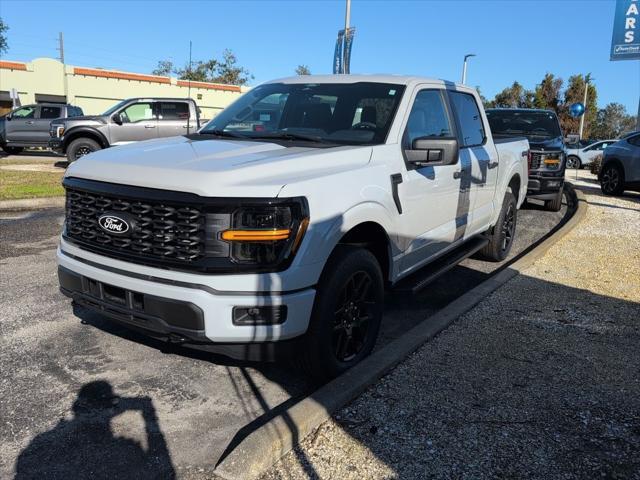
(96,89)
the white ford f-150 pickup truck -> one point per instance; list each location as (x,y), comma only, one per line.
(278,226)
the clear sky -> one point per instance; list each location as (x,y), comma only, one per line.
(514,40)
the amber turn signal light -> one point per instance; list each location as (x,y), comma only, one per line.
(256,235)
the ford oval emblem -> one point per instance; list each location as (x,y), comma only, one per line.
(114,224)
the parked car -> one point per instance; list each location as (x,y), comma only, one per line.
(28,126)
(131,120)
(620,168)
(548,159)
(254,242)
(582,157)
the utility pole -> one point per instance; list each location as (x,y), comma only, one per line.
(64,67)
(584,102)
(464,67)
(189,90)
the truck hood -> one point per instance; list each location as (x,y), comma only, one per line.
(546,144)
(216,167)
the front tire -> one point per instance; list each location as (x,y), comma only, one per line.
(612,180)
(574,162)
(555,204)
(346,315)
(13,150)
(81,147)
(501,236)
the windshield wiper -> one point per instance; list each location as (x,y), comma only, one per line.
(223,133)
(288,136)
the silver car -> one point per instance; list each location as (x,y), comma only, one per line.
(620,169)
(583,156)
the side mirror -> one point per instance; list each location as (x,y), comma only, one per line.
(8,116)
(117,119)
(433,151)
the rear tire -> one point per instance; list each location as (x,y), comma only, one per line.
(612,180)
(13,150)
(574,162)
(554,205)
(502,235)
(346,314)
(80,147)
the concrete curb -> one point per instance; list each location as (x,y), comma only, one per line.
(31,204)
(267,444)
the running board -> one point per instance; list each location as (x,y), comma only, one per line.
(427,274)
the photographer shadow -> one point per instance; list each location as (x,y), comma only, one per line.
(86,447)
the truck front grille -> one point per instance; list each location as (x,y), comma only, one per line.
(161,232)
(536,160)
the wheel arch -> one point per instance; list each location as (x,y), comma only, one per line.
(84,132)
(372,236)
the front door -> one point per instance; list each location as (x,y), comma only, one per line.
(42,122)
(139,122)
(21,127)
(435,209)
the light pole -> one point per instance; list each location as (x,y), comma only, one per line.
(584,102)
(464,67)
(347,17)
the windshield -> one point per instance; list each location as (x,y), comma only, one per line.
(338,113)
(529,123)
(115,107)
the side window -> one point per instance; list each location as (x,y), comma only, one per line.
(635,140)
(466,108)
(174,111)
(24,112)
(74,111)
(50,112)
(137,113)
(428,118)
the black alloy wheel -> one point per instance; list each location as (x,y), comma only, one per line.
(508,227)
(353,317)
(611,180)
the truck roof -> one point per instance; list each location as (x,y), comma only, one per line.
(522,109)
(175,99)
(377,78)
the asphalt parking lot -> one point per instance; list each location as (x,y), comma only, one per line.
(83,398)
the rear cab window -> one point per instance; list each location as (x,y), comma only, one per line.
(472,133)
(48,112)
(173,110)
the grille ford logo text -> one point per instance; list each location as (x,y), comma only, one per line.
(113,224)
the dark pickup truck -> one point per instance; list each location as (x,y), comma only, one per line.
(28,126)
(547,160)
(129,121)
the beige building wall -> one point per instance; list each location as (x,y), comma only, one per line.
(95,90)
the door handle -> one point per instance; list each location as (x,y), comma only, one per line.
(149,126)
(493,164)
(457,174)
(30,122)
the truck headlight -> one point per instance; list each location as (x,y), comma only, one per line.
(552,161)
(57,130)
(266,235)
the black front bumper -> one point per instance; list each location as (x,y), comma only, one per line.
(545,186)
(164,319)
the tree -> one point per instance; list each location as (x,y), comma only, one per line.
(514,96)
(213,70)
(547,94)
(303,70)
(164,68)
(4,46)
(612,121)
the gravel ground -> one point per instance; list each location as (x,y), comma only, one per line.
(541,380)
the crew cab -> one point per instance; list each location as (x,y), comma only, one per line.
(131,120)
(280,241)
(28,126)
(547,163)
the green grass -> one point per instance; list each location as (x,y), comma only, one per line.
(23,184)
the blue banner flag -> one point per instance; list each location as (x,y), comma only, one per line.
(625,42)
(348,43)
(337,55)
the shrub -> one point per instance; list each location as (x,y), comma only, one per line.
(596,163)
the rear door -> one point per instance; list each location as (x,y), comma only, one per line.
(173,119)
(434,207)
(43,120)
(139,122)
(22,125)
(479,157)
